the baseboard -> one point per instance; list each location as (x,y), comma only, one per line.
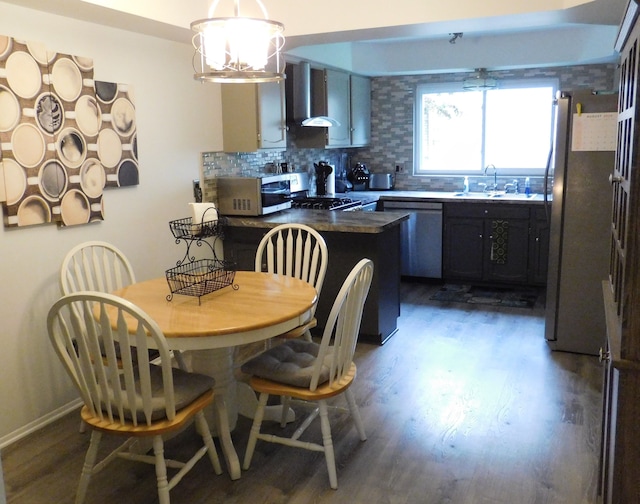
(38,424)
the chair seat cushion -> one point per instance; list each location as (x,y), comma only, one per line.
(187,388)
(291,363)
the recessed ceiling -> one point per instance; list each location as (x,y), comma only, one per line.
(410,37)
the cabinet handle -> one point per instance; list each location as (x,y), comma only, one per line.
(604,356)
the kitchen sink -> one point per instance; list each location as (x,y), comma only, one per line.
(492,195)
(511,195)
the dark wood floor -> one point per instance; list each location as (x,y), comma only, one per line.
(464,405)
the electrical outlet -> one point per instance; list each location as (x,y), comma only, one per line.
(399,167)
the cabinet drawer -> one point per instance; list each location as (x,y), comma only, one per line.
(482,211)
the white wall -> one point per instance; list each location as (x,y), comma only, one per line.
(177,119)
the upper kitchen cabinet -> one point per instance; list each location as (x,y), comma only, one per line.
(360,119)
(338,95)
(253,116)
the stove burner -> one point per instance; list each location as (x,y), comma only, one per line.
(325,203)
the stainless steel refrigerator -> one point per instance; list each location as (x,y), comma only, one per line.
(578,171)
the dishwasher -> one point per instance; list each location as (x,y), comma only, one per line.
(420,238)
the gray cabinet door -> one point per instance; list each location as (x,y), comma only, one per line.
(272,112)
(539,248)
(463,248)
(338,98)
(360,111)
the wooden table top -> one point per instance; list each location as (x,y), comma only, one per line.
(263,306)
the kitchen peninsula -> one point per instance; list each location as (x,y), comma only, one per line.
(350,236)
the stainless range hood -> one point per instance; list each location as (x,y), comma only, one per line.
(309,97)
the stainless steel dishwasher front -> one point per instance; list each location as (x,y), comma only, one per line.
(421,238)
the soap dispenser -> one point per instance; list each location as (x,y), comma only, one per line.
(465,188)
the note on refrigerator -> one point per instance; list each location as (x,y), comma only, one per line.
(594,132)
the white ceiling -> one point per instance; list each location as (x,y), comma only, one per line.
(375,37)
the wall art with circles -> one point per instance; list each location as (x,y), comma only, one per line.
(64,137)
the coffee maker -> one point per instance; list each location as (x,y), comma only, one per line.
(359,177)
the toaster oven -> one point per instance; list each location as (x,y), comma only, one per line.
(258,195)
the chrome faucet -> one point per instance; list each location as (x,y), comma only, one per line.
(515,185)
(495,175)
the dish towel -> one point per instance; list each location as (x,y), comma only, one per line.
(500,234)
(201,213)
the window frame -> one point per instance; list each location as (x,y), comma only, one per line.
(449,87)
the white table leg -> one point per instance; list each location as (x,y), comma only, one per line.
(219,364)
(224,434)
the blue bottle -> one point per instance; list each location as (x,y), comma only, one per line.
(527,186)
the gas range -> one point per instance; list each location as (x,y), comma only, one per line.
(325,203)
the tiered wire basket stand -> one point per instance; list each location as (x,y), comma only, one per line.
(198,277)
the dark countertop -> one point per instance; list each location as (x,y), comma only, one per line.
(373,222)
(448,197)
(325,220)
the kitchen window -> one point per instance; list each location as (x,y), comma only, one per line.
(461,132)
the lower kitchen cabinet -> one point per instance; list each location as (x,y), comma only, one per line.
(463,248)
(619,448)
(620,414)
(538,247)
(488,243)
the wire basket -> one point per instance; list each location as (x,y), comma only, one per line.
(200,277)
(186,229)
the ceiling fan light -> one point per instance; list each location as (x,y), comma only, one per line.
(479,82)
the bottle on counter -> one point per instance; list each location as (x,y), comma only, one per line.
(527,186)
(465,187)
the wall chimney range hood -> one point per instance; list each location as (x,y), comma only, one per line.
(309,97)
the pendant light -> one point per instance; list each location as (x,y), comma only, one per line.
(479,82)
(238,49)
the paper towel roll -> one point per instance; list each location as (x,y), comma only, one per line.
(331,182)
(201,213)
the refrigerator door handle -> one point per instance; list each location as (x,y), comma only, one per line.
(546,186)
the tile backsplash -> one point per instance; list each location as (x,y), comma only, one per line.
(392,134)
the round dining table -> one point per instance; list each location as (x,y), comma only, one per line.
(257,306)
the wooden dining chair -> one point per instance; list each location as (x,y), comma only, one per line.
(101,267)
(309,371)
(294,250)
(95,266)
(126,395)
(298,251)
